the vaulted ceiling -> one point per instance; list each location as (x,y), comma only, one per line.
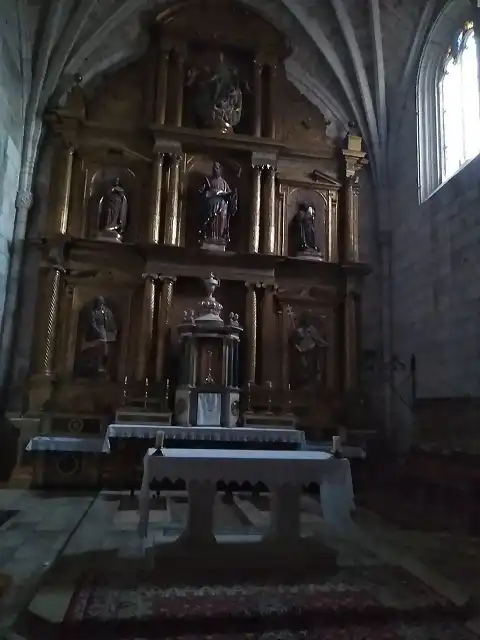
(355,59)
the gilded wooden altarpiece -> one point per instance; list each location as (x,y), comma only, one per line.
(122,228)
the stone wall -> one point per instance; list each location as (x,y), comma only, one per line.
(11,134)
(436,273)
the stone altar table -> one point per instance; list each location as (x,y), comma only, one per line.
(284,472)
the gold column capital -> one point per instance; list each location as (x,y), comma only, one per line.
(151,277)
(166,279)
(354,161)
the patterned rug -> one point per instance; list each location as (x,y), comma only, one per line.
(364,603)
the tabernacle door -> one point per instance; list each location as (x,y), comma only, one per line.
(209,409)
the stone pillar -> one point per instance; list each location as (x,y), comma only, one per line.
(332,226)
(180,58)
(351,356)
(254,238)
(146,331)
(251,331)
(156,211)
(162,84)
(172,222)
(269,232)
(273,93)
(164,309)
(63,177)
(258,98)
(269,335)
(354,160)
(52,320)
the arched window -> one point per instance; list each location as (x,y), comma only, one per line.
(459,103)
(448,98)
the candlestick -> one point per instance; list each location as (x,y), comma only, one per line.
(249,396)
(125,385)
(146,393)
(336,445)
(167,393)
(289,400)
(159,438)
(269,386)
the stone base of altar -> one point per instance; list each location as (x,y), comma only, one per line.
(269,421)
(245,558)
(64,462)
(134,415)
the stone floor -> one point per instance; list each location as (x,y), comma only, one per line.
(45,538)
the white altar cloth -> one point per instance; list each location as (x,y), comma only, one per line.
(216,434)
(65,444)
(284,473)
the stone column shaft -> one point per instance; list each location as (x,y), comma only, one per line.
(254,239)
(269,337)
(251,332)
(172,225)
(258,98)
(180,57)
(269,228)
(165,307)
(273,99)
(351,342)
(146,331)
(162,86)
(156,212)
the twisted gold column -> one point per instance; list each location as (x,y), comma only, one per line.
(162,85)
(52,321)
(65,165)
(254,239)
(332,227)
(257,96)
(172,235)
(164,309)
(251,331)
(180,58)
(146,331)
(155,217)
(269,228)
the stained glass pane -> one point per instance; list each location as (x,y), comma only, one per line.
(460,106)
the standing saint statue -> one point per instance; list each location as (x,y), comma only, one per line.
(112,213)
(219,205)
(305,232)
(99,338)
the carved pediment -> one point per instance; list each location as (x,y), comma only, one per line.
(216,21)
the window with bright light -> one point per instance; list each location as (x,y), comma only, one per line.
(459,103)
(448,97)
